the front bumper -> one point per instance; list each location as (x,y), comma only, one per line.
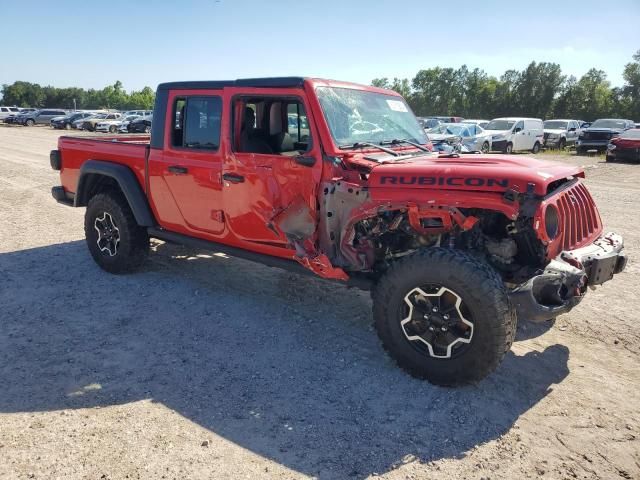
(563,283)
(592,144)
(629,154)
(498,145)
(551,142)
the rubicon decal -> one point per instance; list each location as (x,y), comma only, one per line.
(448,181)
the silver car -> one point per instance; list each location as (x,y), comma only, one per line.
(473,137)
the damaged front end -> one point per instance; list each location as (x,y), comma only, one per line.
(564,281)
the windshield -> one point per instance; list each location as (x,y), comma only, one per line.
(632,134)
(608,123)
(449,129)
(556,124)
(500,125)
(357,116)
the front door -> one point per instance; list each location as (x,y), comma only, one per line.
(184,178)
(520,139)
(272,171)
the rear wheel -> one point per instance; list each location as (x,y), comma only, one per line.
(536,148)
(444,316)
(561,144)
(113,129)
(67,126)
(115,240)
(147,129)
(30,123)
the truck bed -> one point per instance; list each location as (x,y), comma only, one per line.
(129,150)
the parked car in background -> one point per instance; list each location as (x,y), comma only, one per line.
(625,146)
(515,134)
(112,125)
(91,122)
(67,121)
(428,122)
(472,137)
(6,111)
(138,113)
(637,125)
(600,133)
(446,119)
(481,123)
(561,133)
(141,125)
(78,124)
(40,117)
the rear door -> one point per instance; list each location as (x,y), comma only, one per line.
(184,177)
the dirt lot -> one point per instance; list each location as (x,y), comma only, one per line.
(203,366)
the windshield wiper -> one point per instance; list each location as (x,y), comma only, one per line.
(368,144)
(398,141)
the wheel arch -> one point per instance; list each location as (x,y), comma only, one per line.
(99,175)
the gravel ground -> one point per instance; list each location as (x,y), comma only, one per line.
(203,366)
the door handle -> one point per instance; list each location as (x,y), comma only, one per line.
(233,177)
(305,161)
(177,169)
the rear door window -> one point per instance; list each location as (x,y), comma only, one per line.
(197,122)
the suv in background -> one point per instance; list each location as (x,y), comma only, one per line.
(513,134)
(6,111)
(560,133)
(40,117)
(598,135)
(66,121)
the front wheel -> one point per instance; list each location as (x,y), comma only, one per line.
(509,148)
(115,240)
(444,316)
(30,123)
(485,147)
(113,129)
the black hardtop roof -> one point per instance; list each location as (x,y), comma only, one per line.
(272,82)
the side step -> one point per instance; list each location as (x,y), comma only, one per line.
(268,260)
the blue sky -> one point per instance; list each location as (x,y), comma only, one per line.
(94,43)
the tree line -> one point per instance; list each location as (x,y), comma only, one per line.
(26,94)
(540,90)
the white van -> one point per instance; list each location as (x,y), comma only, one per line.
(516,134)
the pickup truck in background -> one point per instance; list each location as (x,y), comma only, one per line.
(339,180)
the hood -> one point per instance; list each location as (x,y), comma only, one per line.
(498,132)
(606,130)
(496,173)
(442,136)
(557,131)
(626,142)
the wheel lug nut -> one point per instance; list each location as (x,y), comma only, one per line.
(444,329)
(445,316)
(431,329)
(435,309)
(426,317)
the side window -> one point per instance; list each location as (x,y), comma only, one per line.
(3,109)
(519,126)
(297,123)
(272,126)
(197,122)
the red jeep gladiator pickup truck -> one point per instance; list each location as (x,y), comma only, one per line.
(338,179)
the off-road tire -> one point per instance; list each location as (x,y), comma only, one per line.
(508,149)
(481,290)
(133,246)
(536,148)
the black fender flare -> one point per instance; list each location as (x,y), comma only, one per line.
(126,180)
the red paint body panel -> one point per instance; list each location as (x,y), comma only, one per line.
(202,204)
